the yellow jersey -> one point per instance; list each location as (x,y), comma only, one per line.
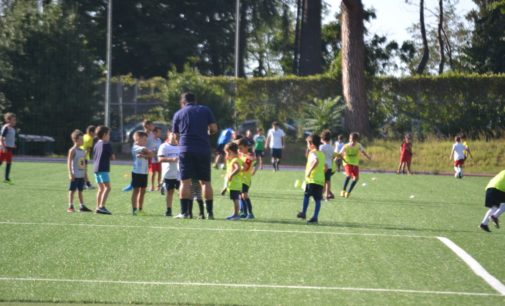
(497,182)
(316,176)
(236,181)
(87,145)
(351,153)
(248,168)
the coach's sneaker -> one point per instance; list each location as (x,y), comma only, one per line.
(312,221)
(181,216)
(70,209)
(201,216)
(103,211)
(210,216)
(233,218)
(495,221)
(83,208)
(485,228)
(301,215)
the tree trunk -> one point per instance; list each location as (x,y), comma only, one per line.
(296,58)
(353,67)
(311,58)
(426,52)
(440,36)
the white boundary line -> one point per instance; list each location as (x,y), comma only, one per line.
(197,284)
(182,228)
(474,265)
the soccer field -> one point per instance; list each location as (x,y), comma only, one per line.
(388,244)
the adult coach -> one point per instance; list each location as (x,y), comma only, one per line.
(193,124)
(275,141)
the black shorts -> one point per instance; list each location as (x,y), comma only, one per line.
(277,153)
(220,149)
(327,175)
(194,166)
(234,194)
(314,190)
(172,184)
(76,184)
(139,180)
(245,188)
(494,197)
(259,153)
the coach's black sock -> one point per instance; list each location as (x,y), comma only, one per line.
(277,164)
(184,206)
(200,207)
(190,208)
(7,171)
(352,185)
(210,206)
(347,179)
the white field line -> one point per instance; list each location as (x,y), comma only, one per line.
(474,265)
(213,229)
(227,285)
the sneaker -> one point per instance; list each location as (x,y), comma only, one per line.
(201,216)
(495,221)
(134,212)
(210,216)
(90,187)
(250,216)
(347,194)
(223,192)
(70,209)
(162,189)
(181,216)
(8,182)
(342,193)
(233,218)
(485,228)
(243,215)
(330,196)
(103,211)
(301,215)
(312,221)
(83,208)
(142,213)
(128,188)
(168,212)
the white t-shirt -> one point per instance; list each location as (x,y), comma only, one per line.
(327,149)
(169,170)
(155,147)
(459,150)
(339,146)
(276,138)
(140,164)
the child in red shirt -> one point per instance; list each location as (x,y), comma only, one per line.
(405,155)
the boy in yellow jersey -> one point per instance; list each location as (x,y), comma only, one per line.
(247,173)
(314,178)
(87,146)
(350,155)
(233,177)
(465,143)
(495,201)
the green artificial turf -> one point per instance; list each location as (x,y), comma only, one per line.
(382,237)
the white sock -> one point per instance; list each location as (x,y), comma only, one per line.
(70,205)
(81,204)
(485,221)
(500,210)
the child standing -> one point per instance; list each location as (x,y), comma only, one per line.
(141,155)
(495,201)
(259,146)
(233,177)
(327,150)
(102,155)
(350,156)
(76,164)
(8,144)
(458,155)
(405,155)
(87,146)
(338,147)
(168,155)
(247,159)
(155,165)
(314,178)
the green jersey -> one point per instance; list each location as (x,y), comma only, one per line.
(316,176)
(259,143)
(498,181)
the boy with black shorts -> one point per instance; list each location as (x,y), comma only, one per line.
(495,201)
(248,160)
(168,156)
(233,177)
(259,146)
(314,178)
(76,164)
(8,144)
(141,154)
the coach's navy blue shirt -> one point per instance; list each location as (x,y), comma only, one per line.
(192,124)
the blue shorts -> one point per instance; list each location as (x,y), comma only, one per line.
(76,184)
(194,166)
(102,177)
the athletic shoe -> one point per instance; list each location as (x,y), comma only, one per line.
(485,228)
(301,215)
(168,213)
(330,196)
(250,216)
(347,194)
(312,221)
(233,218)
(243,215)
(210,216)
(223,192)
(103,211)
(342,193)
(8,182)
(128,188)
(495,221)
(134,212)
(142,213)
(70,209)
(201,216)
(181,216)
(162,189)
(83,208)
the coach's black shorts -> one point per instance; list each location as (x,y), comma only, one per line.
(234,194)
(494,197)
(277,153)
(172,184)
(76,184)
(315,191)
(139,180)
(327,175)
(194,166)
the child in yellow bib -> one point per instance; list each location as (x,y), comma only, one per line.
(248,160)
(233,177)
(350,155)
(495,201)
(314,178)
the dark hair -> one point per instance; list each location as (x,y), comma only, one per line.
(354,135)
(340,137)
(275,123)
(315,140)
(188,97)
(457,138)
(101,131)
(146,123)
(140,134)
(75,135)
(242,142)
(326,135)
(90,129)
(462,135)
(156,128)
(231,146)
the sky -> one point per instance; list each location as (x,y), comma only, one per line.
(395,16)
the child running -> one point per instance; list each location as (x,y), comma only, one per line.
(76,164)
(327,150)
(350,156)
(102,155)
(141,154)
(458,155)
(495,201)
(248,160)
(314,178)
(233,177)
(8,144)
(405,155)
(168,155)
